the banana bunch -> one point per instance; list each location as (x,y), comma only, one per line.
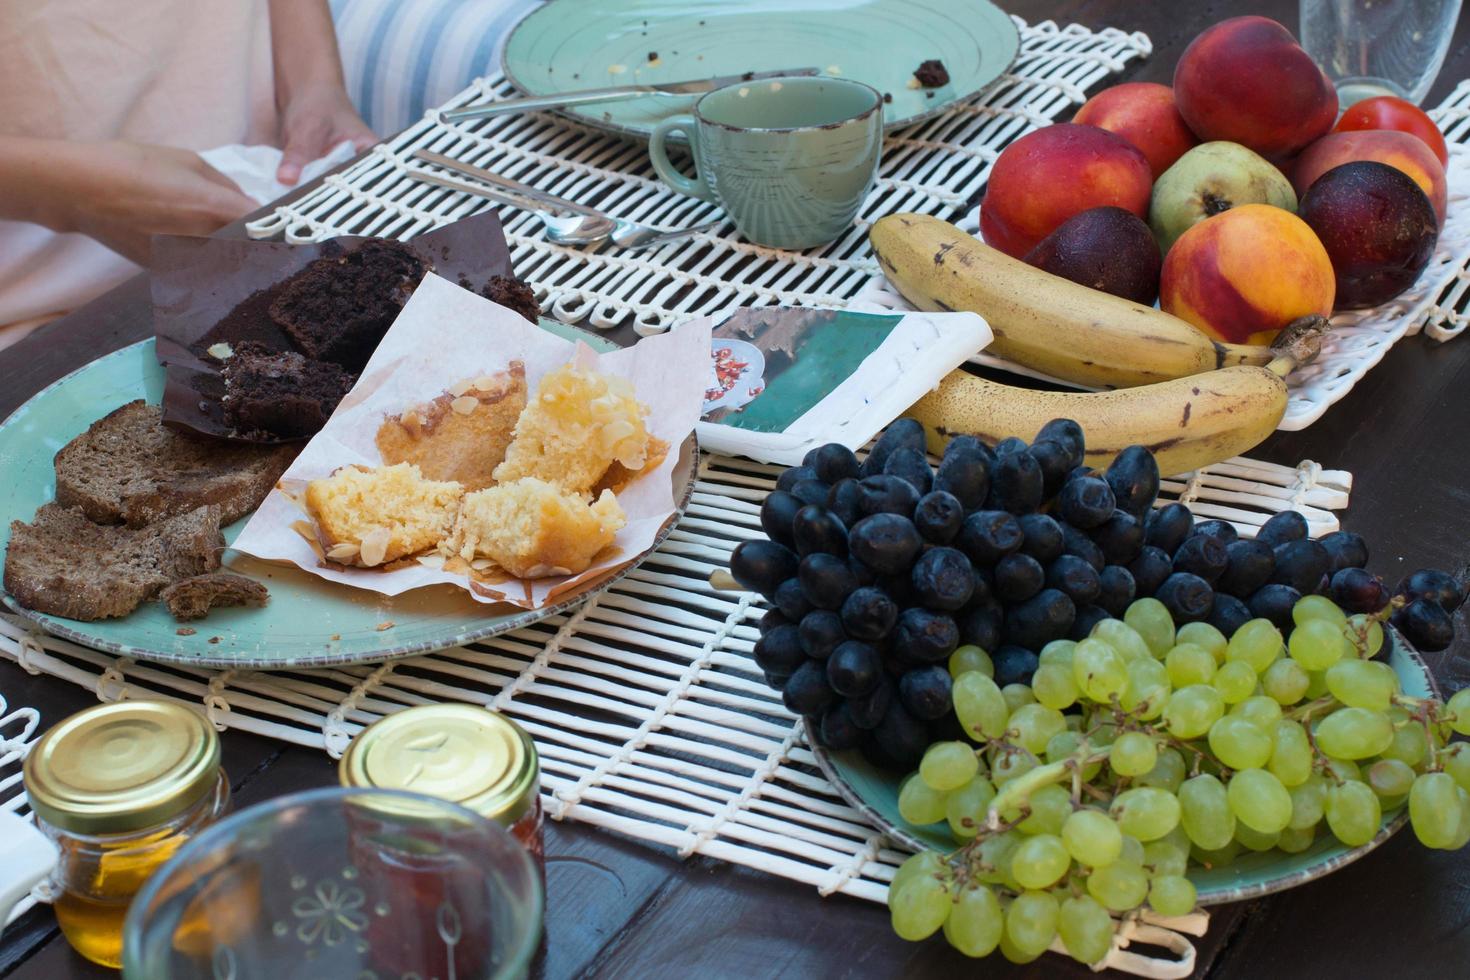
(1044,322)
(1191,400)
(1186,423)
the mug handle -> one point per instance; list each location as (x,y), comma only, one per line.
(659,156)
(26,856)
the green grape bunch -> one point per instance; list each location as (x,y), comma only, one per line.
(1142,750)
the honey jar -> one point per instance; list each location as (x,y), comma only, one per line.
(119,788)
(458,752)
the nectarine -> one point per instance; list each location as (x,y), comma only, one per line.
(1246,80)
(1399,150)
(1246,273)
(1144,114)
(1049,175)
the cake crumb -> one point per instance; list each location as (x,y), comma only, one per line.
(214,639)
(887,97)
(652,57)
(185,631)
(385,625)
(335,637)
(932,74)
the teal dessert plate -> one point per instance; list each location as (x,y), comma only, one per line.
(570,45)
(308,622)
(874,792)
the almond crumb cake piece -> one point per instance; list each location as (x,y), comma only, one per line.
(532,528)
(577,425)
(369,517)
(462,434)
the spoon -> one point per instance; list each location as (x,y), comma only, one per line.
(624,233)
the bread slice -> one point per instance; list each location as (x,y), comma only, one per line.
(193,598)
(65,565)
(129,468)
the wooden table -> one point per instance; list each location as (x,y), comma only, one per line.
(620,908)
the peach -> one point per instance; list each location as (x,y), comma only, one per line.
(1399,150)
(1247,81)
(1245,273)
(1049,175)
(1144,114)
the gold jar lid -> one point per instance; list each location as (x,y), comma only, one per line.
(122,767)
(458,752)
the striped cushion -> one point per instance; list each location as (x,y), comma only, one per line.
(402,57)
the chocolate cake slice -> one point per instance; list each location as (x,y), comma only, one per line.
(337,309)
(280,393)
(513,294)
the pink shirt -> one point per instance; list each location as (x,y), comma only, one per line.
(188,73)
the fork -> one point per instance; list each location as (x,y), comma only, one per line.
(624,232)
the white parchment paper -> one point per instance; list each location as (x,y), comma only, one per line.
(447,334)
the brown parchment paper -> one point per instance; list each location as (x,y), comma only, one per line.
(212,290)
(447,334)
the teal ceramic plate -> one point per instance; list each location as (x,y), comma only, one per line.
(567,45)
(875,793)
(308,622)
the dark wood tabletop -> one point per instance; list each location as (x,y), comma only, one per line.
(622,908)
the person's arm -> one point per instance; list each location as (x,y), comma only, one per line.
(116,192)
(311,97)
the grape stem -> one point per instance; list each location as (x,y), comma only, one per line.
(1018,791)
(1304,712)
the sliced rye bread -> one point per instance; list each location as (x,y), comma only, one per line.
(130,468)
(65,565)
(193,598)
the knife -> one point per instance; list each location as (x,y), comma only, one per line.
(592,96)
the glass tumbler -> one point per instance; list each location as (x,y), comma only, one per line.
(1379,47)
(341,882)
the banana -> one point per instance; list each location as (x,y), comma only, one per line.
(1187,422)
(1045,322)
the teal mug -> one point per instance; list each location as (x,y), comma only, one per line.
(789,159)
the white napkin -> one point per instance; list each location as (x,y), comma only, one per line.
(254,167)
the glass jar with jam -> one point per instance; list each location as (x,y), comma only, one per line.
(119,788)
(465,754)
(458,752)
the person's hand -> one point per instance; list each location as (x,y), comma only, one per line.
(315,120)
(120,193)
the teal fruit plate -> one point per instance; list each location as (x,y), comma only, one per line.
(308,622)
(874,792)
(570,45)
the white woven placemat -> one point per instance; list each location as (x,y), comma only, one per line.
(18,728)
(937,167)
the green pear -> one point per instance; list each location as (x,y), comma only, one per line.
(1209,179)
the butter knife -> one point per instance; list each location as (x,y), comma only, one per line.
(593,96)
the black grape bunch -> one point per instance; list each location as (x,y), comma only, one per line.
(889,577)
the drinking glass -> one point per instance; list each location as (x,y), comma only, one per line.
(1378,47)
(340,883)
